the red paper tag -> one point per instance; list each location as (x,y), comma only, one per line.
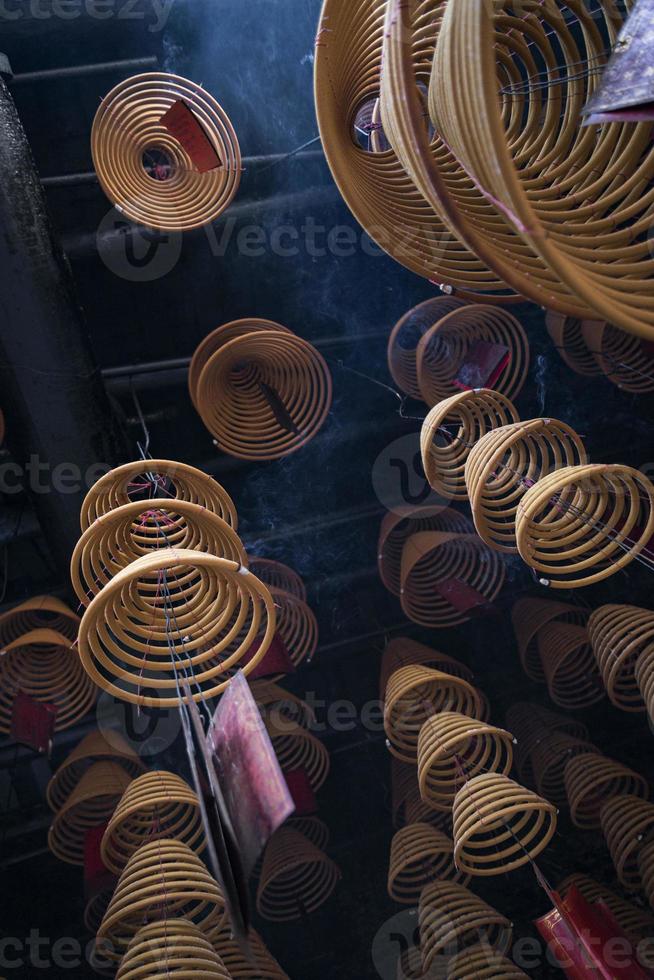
(301,790)
(460,595)
(97,877)
(275,661)
(33,722)
(483,366)
(185,127)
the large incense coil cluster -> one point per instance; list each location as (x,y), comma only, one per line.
(296,625)
(627,823)
(402,651)
(164,878)
(406,336)
(276,575)
(296,877)
(96,746)
(619,635)
(532,724)
(499,825)
(483,963)
(156,804)
(174,947)
(529,617)
(91,804)
(444,348)
(261,391)
(636,923)
(396,529)
(281,704)
(452,918)
(571,672)
(45,665)
(453,748)
(420,854)
(549,758)
(591,780)
(297,748)
(261,964)
(39,612)
(128,136)
(450,431)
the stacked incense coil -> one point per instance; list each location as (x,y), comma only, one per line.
(402,651)
(529,617)
(407,805)
(532,725)
(420,854)
(623,641)
(168,948)
(594,347)
(129,139)
(627,823)
(278,576)
(296,625)
(482,963)
(406,336)
(296,877)
(570,669)
(646,869)
(636,923)
(39,612)
(549,759)
(296,748)
(95,747)
(452,918)
(591,780)
(261,391)
(259,965)
(396,529)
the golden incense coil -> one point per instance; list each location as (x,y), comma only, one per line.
(549,758)
(619,635)
(129,139)
(279,704)
(278,576)
(571,672)
(174,947)
(529,617)
(417,811)
(403,651)
(94,747)
(95,909)
(646,869)
(451,430)
(568,336)
(627,821)
(397,528)
(260,965)
(39,612)
(296,748)
(90,805)
(622,357)
(406,335)
(644,674)
(499,825)
(452,918)
(173,615)
(420,854)
(316,832)
(531,724)
(636,923)
(296,625)
(296,878)
(591,780)
(482,963)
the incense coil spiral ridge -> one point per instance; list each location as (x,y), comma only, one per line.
(296,877)
(505,463)
(44,665)
(549,758)
(627,822)
(39,612)
(420,854)
(170,616)
(90,805)
(156,804)
(529,617)
(413,695)
(623,358)
(432,562)
(453,748)
(162,880)
(483,963)
(296,748)
(95,909)
(276,575)
(397,528)
(646,869)
(644,674)
(499,825)
(402,651)
(128,128)
(314,829)
(452,918)
(568,337)
(445,346)
(619,635)
(280,704)
(405,338)
(261,965)
(260,390)
(297,626)
(571,672)
(471,414)
(636,923)
(591,780)
(171,948)
(156,478)
(97,746)
(531,724)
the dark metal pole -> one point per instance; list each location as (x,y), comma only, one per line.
(76,71)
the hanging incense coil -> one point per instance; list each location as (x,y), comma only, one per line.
(549,758)
(261,965)
(499,825)
(164,878)
(279,704)
(483,963)
(409,964)
(591,780)
(397,528)
(296,878)
(452,918)
(44,665)
(644,674)
(420,854)
(315,831)
(437,566)
(646,869)
(118,538)
(417,811)
(278,576)
(505,463)
(156,804)
(129,137)
(623,358)
(403,651)
(156,478)
(620,634)
(296,625)
(413,695)
(571,672)
(529,617)
(296,748)
(451,430)
(168,949)
(444,349)
(405,338)
(173,615)
(90,804)
(627,822)
(636,923)
(531,724)
(95,909)
(569,340)
(452,748)
(95,747)
(261,391)
(39,612)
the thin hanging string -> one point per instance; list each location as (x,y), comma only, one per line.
(612,358)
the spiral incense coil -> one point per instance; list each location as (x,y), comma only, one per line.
(620,634)
(505,463)
(403,651)
(90,805)
(397,528)
(279,704)
(591,780)
(420,854)
(531,724)
(432,558)
(413,695)
(482,963)
(571,672)
(278,576)
(260,965)
(499,825)
(646,869)
(622,357)
(163,879)
(118,538)
(452,748)
(170,616)
(568,336)
(44,665)
(644,674)
(95,747)
(417,811)
(296,878)
(95,909)
(529,617)
(296,625)
(261,391)
(406,335)
(549,758)
(128,137)
(452,918)
(296,748)
(316,832)
(156,478)
(156,804)
(409,964)
(174,947)
(39,612)
(635,922)
(627,821)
